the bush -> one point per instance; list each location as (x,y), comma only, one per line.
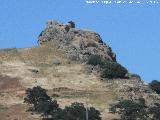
(67,28)
(155,85)
(50,110)
(72,24)
(130,110)
(46,108)
(95,60)
(36,95)
(155,111)
(113,70)
(136,110)
(40,101)
(109,69)
(77,111)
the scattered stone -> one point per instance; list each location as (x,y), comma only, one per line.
(97,68)
(133,76)
(55,95)
(88,69)
(68,62)
(56,62)
(73,55)
(34,70)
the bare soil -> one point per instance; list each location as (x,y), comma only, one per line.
(67,82)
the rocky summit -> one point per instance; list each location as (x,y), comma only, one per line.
(78,43)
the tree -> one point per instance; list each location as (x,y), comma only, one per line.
(113,70)
(42,103)
(155,85)
(72,24)
(47,108)
(93,114)
(36,95)
(154,111)
(77,111)
(95,60)
(50,110)
(131,110)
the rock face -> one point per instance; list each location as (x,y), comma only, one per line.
(79,44)
(134,89)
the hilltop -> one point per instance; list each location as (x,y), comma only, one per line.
(79,44)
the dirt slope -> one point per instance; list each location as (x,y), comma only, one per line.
(69,82)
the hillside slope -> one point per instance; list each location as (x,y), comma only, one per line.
(58,64)
(68,82)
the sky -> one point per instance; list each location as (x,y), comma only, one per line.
(131,30)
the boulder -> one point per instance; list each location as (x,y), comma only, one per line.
(56,62)
(73,55)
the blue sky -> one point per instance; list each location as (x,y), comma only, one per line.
(133,31)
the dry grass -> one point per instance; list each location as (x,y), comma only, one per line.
(98,99)
(8,54)
(36,56)
(68,81)
(7,83)
(16,112)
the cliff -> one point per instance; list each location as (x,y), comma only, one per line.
(79,44)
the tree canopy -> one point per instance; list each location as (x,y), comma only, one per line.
(49,109)
(155,85)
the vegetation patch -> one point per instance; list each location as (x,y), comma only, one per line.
(113,70)
(136,110)
(95,60)
(42,104)
(155,85)
(109,69)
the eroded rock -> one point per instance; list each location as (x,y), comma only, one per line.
(78,44)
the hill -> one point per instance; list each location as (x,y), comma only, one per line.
(59,64)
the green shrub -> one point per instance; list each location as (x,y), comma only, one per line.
(113,70)
(155,85)
(109,69)
(67,28)
(154,111)
(95,60)
(49,109)
(131,110)
(40,101)
(72,24)
(133,76)
(46,108)
(136,110)
(35,95)
(77,111)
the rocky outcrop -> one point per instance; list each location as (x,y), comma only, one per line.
(134,89)
(79,44)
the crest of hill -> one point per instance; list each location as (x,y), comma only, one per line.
(78,44)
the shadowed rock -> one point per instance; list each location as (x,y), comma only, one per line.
(79,44)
